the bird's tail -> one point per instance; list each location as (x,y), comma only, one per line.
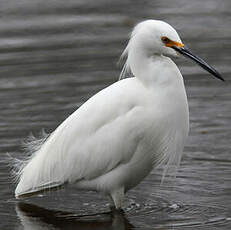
(31,173)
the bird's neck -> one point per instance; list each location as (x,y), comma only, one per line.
(152,69)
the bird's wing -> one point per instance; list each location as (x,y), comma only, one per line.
(97,137)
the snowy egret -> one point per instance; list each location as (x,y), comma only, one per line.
(120,134)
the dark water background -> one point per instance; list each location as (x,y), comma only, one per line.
(56,54)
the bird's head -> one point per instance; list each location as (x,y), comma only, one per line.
(156,37)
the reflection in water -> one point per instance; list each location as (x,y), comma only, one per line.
(33,217)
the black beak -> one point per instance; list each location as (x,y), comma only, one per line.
(199,61)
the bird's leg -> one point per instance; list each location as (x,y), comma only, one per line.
(118,197)
(111,202)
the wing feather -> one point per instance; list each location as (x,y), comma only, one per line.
(89,143)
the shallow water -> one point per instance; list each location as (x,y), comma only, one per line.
(56,54)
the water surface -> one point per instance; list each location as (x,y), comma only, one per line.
(56,54)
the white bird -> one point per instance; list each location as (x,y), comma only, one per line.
(113,141)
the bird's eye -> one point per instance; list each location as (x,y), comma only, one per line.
(165,39)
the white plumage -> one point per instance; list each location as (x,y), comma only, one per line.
(115,139)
